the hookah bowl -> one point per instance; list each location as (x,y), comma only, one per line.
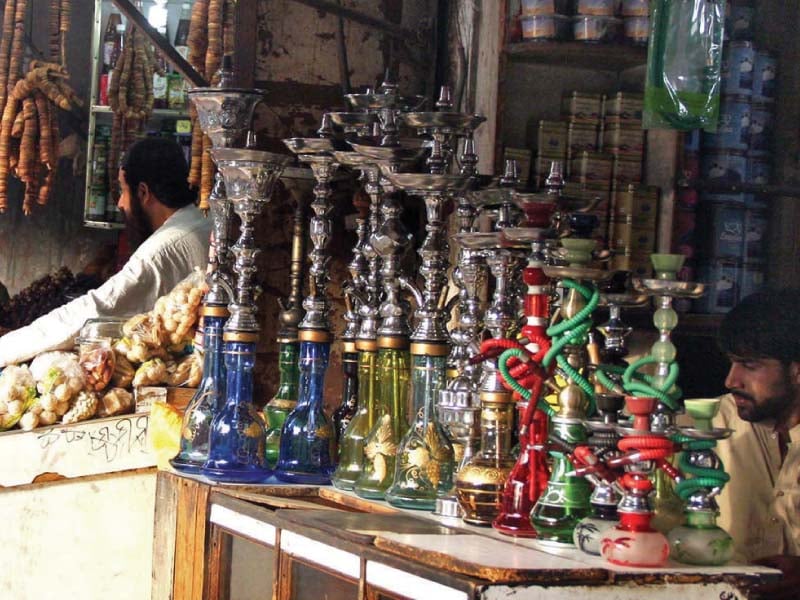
(237,436)
(701,541)
(307,446)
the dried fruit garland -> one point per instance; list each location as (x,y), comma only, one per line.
(211,34)
(29,132)
(130,96)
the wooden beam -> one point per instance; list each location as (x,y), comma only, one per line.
(176,60)
(392,29)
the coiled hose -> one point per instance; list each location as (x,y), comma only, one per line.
(703,477)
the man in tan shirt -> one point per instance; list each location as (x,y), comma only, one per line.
(760,506)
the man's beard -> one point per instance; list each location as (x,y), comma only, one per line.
(137,225)
(772,408)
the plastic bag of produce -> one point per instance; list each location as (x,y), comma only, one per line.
(186,372)
(179,310)
(684,59)
(17,394)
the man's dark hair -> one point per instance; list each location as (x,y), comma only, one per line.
(764,325)
(159,162)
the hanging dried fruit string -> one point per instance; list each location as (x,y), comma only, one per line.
(29,130)
(211,34)
(130,96)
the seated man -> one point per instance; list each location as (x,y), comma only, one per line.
(170,237)
(760,506)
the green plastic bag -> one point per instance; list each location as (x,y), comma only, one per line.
(683,64)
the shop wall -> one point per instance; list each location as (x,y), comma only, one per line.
(54,236)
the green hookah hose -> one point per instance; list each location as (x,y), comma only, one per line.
(541,404)
(573,331)
(703,477)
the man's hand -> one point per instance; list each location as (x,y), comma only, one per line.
(788,587)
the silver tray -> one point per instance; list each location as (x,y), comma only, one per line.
(669,287)
(589,273)
(426,182)
(449,120)
(309,145)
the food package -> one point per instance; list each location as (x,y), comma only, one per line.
(151,372)
(186,372)
(98,364)
(17,394)
(116,401)
(123,371)
(59,379)
(178,310)
(84,407)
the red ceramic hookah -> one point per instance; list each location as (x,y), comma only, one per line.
(529,476)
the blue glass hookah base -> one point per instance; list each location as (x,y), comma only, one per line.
(306,447)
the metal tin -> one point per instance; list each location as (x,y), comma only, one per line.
(636,29)
(683,232)
(762,127)
(756,225)
(724,230)
(552,138)
(625,238)
(583,106)
(752,279)
(544,7)
(765,77)
(636,203)
(739,22)
(738,66)
(624,140)
(723,282)
(733,128)
(602,8)
(591,167)
(586,28)
(581,136)
(545,27)
(627,170)
(635,8)
(626,106)
(724,167)
(759,170)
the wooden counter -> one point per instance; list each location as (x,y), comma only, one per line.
(228,542)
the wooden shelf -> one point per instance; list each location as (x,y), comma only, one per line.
(102,224)
(599,57)
(99,109)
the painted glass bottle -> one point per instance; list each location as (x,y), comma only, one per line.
(345,412)
(381,444)
(425,460)
(351,447)
(285,399)
(237,436)
(205,403)
(307,440)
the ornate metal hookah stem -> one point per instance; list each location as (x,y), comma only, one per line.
(316,303)
(394,320)
(434,253)
(243,307)
(372,284)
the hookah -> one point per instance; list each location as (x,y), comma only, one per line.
(383,351)
(481,481)
(529,476)
(225,114)
(701,541)
(424,461)
(307,453)
(237,437)
(278,408)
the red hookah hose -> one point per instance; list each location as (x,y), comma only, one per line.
(640,483)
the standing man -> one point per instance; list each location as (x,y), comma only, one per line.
(760,506)
(168,233)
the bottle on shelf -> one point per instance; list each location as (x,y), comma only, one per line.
(98,187)
(110,51)
(160,75)
(182,31)
(116,52)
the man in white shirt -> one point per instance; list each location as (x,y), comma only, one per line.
(760,506)
(170,237)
